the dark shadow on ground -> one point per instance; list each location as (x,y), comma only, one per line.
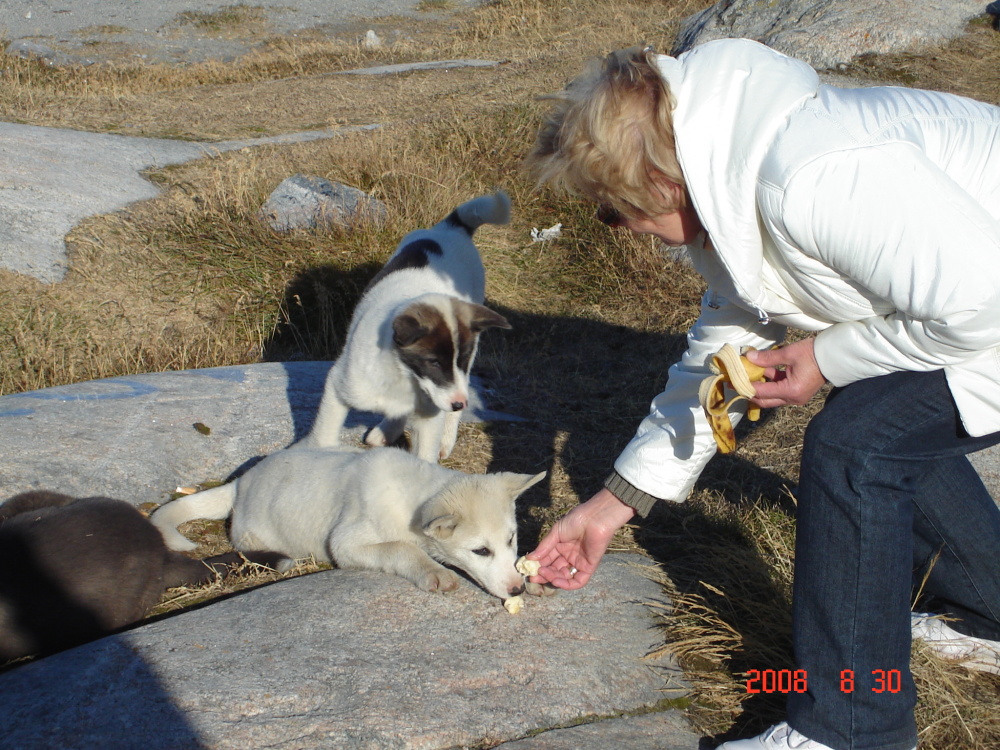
(57,702)
(586,385)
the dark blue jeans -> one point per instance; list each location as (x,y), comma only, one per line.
(885,486)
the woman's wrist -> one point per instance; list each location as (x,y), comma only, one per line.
(609,510)
(640,502)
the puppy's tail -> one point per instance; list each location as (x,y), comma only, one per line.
(214,503)
(486,209)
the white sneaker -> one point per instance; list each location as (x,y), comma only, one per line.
(974,653)
(779,737)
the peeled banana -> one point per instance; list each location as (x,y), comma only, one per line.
(739,373)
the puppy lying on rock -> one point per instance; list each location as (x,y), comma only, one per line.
(73,570)
(378,509)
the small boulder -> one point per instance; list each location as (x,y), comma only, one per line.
(28,50)
(307,202)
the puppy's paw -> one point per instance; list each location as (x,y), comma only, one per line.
(539,589)
(447,444)
(439,581)
(376,438)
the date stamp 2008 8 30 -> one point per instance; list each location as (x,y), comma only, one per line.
(797,681)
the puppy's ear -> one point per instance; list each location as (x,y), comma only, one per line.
(479,318)
(441,527)
(437,519)
(518,483)
(407,329)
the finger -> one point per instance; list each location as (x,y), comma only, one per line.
(567,584)
(571,583)
(546,549)
(557,567)
(550,576)
(781,388)
(771,403)
(566,575)
(766,357)
(551,565)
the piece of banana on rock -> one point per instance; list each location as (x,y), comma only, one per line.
(738,372)
(514,604)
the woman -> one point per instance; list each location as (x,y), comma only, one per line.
(872,218)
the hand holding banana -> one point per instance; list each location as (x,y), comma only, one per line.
(795,383)
(775,377)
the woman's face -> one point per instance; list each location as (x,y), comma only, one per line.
(680,227)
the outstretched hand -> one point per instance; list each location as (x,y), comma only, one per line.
(798,379)
(572,550)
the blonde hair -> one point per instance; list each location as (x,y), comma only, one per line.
(610,136)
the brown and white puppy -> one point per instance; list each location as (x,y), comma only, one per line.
(414,335)
(75,570)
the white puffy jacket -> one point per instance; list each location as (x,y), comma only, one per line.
(870,215)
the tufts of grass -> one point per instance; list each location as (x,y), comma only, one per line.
(432,6)
(966,65)
(225,17)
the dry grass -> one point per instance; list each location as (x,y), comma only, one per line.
(192,279)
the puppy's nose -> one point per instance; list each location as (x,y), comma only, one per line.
(517,590)
(457,405)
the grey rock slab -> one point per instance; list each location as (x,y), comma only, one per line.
(662,730)
(831,33)
(52,178)
(987,463)
(346,659)
(134,437)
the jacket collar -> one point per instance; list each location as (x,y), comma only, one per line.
(731,98)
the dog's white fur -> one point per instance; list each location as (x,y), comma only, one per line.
(378,509)
(413,337)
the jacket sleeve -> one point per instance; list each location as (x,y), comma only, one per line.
(900,228)
(673,443)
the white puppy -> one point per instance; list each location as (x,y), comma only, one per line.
(380,509)
(413,337)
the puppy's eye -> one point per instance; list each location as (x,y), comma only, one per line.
(436,364)
(482,552)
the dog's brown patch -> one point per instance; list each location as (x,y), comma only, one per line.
(425,343)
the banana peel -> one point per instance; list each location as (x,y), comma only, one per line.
(739,373)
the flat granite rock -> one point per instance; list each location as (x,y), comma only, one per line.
(661,730)
(346,659)
(831,33)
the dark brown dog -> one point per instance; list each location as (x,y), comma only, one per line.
(73,570)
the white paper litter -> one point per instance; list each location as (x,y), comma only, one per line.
(543,235)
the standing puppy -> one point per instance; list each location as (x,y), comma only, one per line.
(413,337)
